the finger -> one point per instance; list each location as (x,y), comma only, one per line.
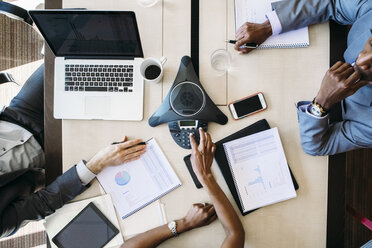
(198,205)
(135,149)
(125,138)
(129,143)
(347,72)
(135,154)
(364,60)
(211,219)
(209,142)
(335,66)
(241,42)
(213,150)
(193,143)
(241,29)
(211,211)
(353,78)
(207,206)
(131,159)
(342,68)
(202,138)
(360,84)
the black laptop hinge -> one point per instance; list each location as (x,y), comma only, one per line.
(100,57)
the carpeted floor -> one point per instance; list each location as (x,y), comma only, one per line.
(19,43)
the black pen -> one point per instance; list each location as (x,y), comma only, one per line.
(120,142)
(246,45)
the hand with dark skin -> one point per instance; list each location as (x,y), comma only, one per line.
(343,80)
(252,32)
(199,215)
(116,155)
(201,159)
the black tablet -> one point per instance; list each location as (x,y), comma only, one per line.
(90,228)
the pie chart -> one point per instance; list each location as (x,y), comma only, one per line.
(122,178)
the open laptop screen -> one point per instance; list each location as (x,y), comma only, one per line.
(89,33)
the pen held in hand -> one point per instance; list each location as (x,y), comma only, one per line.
(120,142)
(246,45)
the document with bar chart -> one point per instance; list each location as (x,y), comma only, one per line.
(260,169)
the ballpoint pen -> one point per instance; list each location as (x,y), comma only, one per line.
(120,142)
(246,45)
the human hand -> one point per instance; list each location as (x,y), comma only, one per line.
(199,215)
(252,32)
(340,81)
(202,156)
(363,64)
(116,155)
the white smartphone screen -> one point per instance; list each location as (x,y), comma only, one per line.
(247,106)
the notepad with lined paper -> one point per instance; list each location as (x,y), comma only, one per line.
(255,11)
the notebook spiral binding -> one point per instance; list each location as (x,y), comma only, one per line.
(233,176)
(295,45)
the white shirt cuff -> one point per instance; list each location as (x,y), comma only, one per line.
(305,108)
(85,175)
(276,26)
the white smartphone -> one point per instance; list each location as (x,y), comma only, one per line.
(247,106)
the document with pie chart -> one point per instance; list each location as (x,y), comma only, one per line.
(134,185)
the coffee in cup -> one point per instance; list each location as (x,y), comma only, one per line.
(152,69)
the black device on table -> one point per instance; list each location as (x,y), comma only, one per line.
(180,131)
(90,228)
(187,107)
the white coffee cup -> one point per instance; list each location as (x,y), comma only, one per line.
(152,69)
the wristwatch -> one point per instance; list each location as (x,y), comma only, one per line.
(173,227)
(317,110)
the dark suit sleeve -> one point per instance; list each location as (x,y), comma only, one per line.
(295,14)
(42,203)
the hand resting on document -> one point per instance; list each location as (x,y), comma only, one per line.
(116,155)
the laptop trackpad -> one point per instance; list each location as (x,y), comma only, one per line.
(97,107)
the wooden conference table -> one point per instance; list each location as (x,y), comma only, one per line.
(285,76)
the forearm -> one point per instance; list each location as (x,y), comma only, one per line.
(42,203)
(295,14)
(225,211)
(154,237)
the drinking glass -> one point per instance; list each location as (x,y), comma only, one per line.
(221,61)
(147,3)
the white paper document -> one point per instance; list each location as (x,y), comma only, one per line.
(136,184)
(255,11)
(259,169)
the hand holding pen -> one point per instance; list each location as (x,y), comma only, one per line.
(116,154)
(249,35)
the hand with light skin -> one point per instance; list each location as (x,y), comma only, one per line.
(116,155)
(252,32)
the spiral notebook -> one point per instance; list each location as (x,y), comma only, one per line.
(255,11)
(259,169)
(135,185)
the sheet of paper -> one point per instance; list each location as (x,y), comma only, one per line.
(255,11)
(136,184)
(55,222)
(260,169)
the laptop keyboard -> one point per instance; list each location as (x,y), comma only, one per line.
(109,78)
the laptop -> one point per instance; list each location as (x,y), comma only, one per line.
(98,56)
